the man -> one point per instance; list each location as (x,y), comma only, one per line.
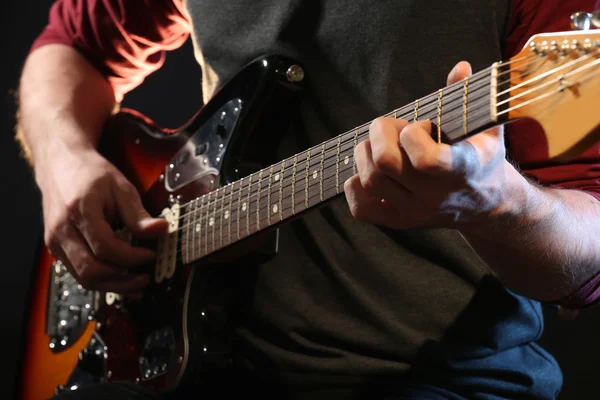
(407,303)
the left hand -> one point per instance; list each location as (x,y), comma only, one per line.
(408,180)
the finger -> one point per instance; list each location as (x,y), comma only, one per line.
(383,136)
(426,156)
(373,181)
(92,273)
(365,208)
(118,285)
(103,241)
(133,213)
(460,71)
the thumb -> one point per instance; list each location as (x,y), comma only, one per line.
(134,215)
(460,71)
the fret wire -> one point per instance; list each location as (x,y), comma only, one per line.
(222,217)
(339,138)
(185,249)
(321,178)
(306,180)
(416,111)
(337,165)
(206,233)
(247,206)
(347,170)
(258,200)
(294,185)
(355,144)
(192,228)
(239,202)
(230,212)
(465,106)
(445,123)
(214,217)
(269,196)
(199,226)
(281,191)
(439,118)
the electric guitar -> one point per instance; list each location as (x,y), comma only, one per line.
(216,181)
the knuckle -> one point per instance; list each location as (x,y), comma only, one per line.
(373,182)
(73,206)
(358,211)
(100,247)
(426,163)
(376,125)
(86,274)
(386,161)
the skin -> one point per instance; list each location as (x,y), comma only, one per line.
(64,103)
(543,243)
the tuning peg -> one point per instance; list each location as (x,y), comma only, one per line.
(583,21)
(596,18)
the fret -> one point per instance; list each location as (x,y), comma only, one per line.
(322,164)
(195,230)
(337,166)
(185,231)
(191,230)
(294,185)
(269,196)
(306,180)
(439,117)
(416,111)
(465,107)
(213,219)
(246,206)
(222,217)
(230,213)
(281,191)
(206,226)
(258,196)
(352,152)
(239,203)
(198,227)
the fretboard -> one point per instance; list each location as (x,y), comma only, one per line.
(294,185)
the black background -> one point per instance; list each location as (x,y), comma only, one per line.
(170,96)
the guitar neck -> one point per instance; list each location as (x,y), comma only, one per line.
(310,178)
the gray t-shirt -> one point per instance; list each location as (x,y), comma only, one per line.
(345,301)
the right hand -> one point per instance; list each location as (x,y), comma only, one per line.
(81,194)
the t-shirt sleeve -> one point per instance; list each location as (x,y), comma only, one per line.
(125,40)
(526,143)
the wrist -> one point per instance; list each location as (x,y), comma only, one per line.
(520,202)
(61,154)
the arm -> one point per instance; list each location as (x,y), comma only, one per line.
(545,243)
(542,242)
(80,66)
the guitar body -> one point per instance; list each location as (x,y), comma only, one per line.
(177,329)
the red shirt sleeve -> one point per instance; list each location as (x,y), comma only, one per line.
(526,142)
(525,139)
(125,40)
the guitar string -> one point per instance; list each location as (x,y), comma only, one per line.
(215,212)
(423,106)
(329,187)
(301,163)
(329,162)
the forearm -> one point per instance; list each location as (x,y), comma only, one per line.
(63,104)
(545,244)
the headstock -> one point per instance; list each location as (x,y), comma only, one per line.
(555,80)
